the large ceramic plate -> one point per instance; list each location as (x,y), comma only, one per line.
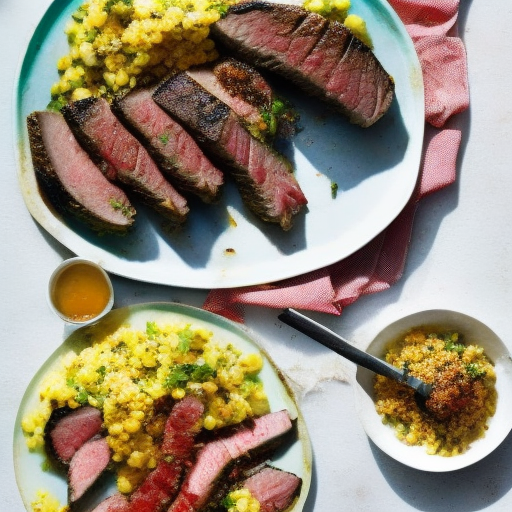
(375,168)
(296,458)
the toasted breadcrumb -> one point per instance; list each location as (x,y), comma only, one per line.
(435,358)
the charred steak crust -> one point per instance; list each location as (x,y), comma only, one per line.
(122,158)
(320,56)
(76,117)
(170,146)
(264,178)
(68,429)
(174,95)
(60,197)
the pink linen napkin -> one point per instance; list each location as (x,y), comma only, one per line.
(379,264)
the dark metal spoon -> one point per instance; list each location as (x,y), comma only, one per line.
(342,347)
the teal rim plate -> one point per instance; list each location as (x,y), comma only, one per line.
(29,465)
(222,246)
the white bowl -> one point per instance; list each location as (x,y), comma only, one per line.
(54,278)
(416,456)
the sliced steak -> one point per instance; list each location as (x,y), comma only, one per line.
(159,487)
(172,148)
(69,178)
(181,428)
(273,488)
(213,459)
(239,86)
(243,89)
(68,429)
(264,178)
(86,466)
(122,158)
(162,484)
(320,56)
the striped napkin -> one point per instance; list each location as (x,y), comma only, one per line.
(378,265)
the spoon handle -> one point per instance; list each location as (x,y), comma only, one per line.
(339,345)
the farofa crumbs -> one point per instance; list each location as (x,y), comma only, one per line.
(114,45)
(129,375)
(427,356)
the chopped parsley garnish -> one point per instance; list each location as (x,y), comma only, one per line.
(280,112)
(57,103)
(181,374)
(82,397)
(125,210)
(79,14)
(185,337)
(164,138)
(474,371)
(152,330)
(334,189)
(228,502)
(76,83)
(451,346)
(111,3)
(221,8)
(91,35)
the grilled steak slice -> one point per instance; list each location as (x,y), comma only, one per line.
(273,488)
(122,158)
(174,150)
(216,455)
(181,428)
(162,484)
(68,429)
(320,56)
(69,178)
(250,96)
(158,489)
(264,178)
(86,466)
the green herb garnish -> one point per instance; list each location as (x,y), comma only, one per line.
(181,374)
(454,347)
(164,138)
(474,371)
(125,210)
(228,502)
(152,330)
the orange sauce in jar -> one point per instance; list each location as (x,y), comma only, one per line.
(81,292)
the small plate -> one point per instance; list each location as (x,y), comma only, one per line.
(474,332)
(296,458)
(224,245)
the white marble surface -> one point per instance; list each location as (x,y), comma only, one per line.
(460,258)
